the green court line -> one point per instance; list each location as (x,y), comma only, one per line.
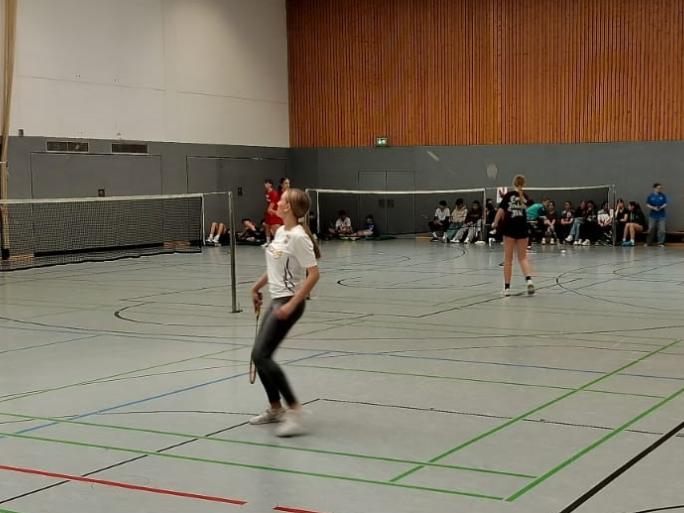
(21,395)
(522,416)
(267,445)
(249,466)
(593,446)
(6,511)
(475,380)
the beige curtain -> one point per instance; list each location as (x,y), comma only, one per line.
(10,19)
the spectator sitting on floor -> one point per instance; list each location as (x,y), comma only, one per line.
(566,221)
(370,228)
(472,225)
(634,223)
(343,225)
(605,220)
(552,220)
(574,234)
(440,221)
(218,233)
(458,217)
(536,220)
(250,232)
(590,231)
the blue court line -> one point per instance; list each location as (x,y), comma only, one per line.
(159,396)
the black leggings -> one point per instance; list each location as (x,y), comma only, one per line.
(271,333)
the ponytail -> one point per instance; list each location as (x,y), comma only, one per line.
(519,182)
(304,223)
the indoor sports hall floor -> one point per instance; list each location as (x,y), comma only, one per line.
(123,385)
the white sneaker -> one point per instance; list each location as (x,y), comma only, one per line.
(530,287)
(506,292)
(543,242)
(553,242)
(480,242)
(586,242)
(569,238)
(270,416)
(292,424)
(578,242)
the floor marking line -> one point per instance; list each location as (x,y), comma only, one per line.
(160,396)
(456,378)
(286,509)
(180,457)
(48,344)
(20,395)
(127,486)
(600,441)
(209,438)
(522,416)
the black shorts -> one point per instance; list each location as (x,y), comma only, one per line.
(517,230)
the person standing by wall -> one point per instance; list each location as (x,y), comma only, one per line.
(656,203)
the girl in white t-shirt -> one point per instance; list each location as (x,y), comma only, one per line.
(291,274)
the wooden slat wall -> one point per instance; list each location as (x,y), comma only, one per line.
(448,72)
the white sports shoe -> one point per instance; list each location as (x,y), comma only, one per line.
(292,424)
(270,416)
(530,287)
(506,292)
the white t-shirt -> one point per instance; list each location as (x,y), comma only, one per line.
(288,257)
(343,223)
(442,215)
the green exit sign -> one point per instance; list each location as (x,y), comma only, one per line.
(381,142)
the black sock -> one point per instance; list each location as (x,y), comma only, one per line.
(528,278)
(507,285)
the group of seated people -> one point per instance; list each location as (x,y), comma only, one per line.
(462,224)
(343,228)
(585,225)
(219,234)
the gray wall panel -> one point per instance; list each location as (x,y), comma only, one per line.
(76,176)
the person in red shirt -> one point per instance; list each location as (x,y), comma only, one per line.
(271,219)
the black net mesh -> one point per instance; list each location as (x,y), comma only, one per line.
(43,232)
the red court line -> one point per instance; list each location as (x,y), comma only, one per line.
(126,486)
(285,509)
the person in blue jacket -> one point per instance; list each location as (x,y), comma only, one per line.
(656,203)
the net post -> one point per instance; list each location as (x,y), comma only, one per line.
(233,279)
(203,226)
(484,215)
(612,194)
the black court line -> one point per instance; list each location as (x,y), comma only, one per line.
(624,468)
(680,507)
(498,417)
(132,460)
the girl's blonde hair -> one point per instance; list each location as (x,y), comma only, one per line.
(300,203)
(519,181)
